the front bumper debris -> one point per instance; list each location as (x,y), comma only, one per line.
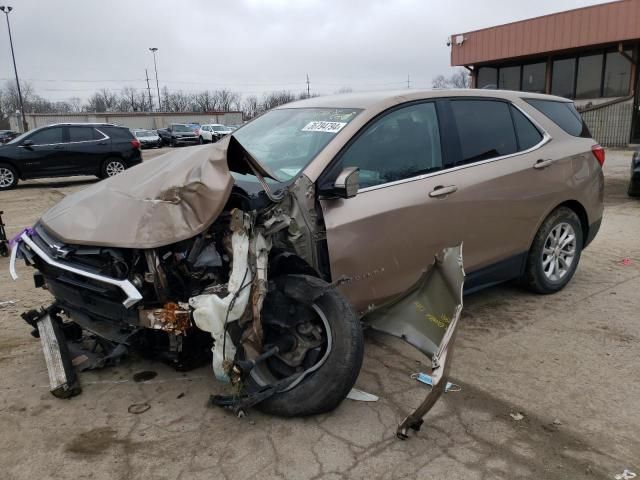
(63,380)
(24,241)
(427,316)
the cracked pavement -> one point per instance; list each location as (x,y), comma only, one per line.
(567,362)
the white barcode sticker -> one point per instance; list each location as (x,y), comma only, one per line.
(330,127)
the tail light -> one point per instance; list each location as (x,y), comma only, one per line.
(135,144)
(598,152)
(197,131)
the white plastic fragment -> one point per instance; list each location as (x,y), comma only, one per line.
(517,416)
(361,396)
(211,311)
(626,475)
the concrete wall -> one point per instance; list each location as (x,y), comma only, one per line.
(611,125)
(131,120)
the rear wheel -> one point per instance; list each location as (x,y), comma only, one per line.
(200,140)
(112,166)
(555,253)
(328,347)
(8,177)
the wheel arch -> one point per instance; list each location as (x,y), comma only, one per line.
(12,164)
(282,262)
(577,208)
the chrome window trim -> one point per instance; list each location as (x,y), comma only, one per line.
(132,293)
(546,138)
(104,137)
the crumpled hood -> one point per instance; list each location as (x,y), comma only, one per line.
(159,202)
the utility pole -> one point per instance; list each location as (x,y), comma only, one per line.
(148,90)
(308,87)
(6,11)
(155,65)
(408,81)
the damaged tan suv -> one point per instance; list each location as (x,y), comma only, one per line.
(263,253)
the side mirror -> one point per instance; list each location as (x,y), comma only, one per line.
(347,183)
(27,143)
(169,129)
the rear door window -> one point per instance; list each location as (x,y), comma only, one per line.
(485,129)
(527,134)
(47,136)
(402,144)
(81,134)
(563,114)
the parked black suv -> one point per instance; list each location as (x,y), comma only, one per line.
(63,150)
(178,134)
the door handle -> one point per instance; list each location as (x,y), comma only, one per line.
(102,143)
(58,147)
(441,191)
(543,163)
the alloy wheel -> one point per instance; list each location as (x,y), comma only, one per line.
(559,252)
(6,177)
(114,168)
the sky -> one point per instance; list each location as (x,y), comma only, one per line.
(70,48)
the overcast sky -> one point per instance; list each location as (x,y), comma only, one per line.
(72,47)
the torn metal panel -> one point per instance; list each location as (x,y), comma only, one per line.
(427,317)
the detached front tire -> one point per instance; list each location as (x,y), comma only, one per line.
(8,177)
(324,389)
(555,252)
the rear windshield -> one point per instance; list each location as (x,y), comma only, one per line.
(563,114)
(181,128)
(144,133)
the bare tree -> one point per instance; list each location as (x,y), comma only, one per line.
(250,107)
(204,101)
(224,99)
(129,100)
(275,99)
(458,79)
(178,101)
(104,100)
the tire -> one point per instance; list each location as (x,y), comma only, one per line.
(634,189)
(325,388)
(112,167)
(159,144)
(8,177)
(200,140)
(550,265)
(172,143)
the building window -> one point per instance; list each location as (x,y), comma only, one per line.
(533,77)
(617,75)
(589,76)
(563,77)
(487,78)
(509,78)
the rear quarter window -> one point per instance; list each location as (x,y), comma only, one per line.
(117,133)
(563,114)
(528,135)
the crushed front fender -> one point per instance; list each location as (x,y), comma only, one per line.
(427,316)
